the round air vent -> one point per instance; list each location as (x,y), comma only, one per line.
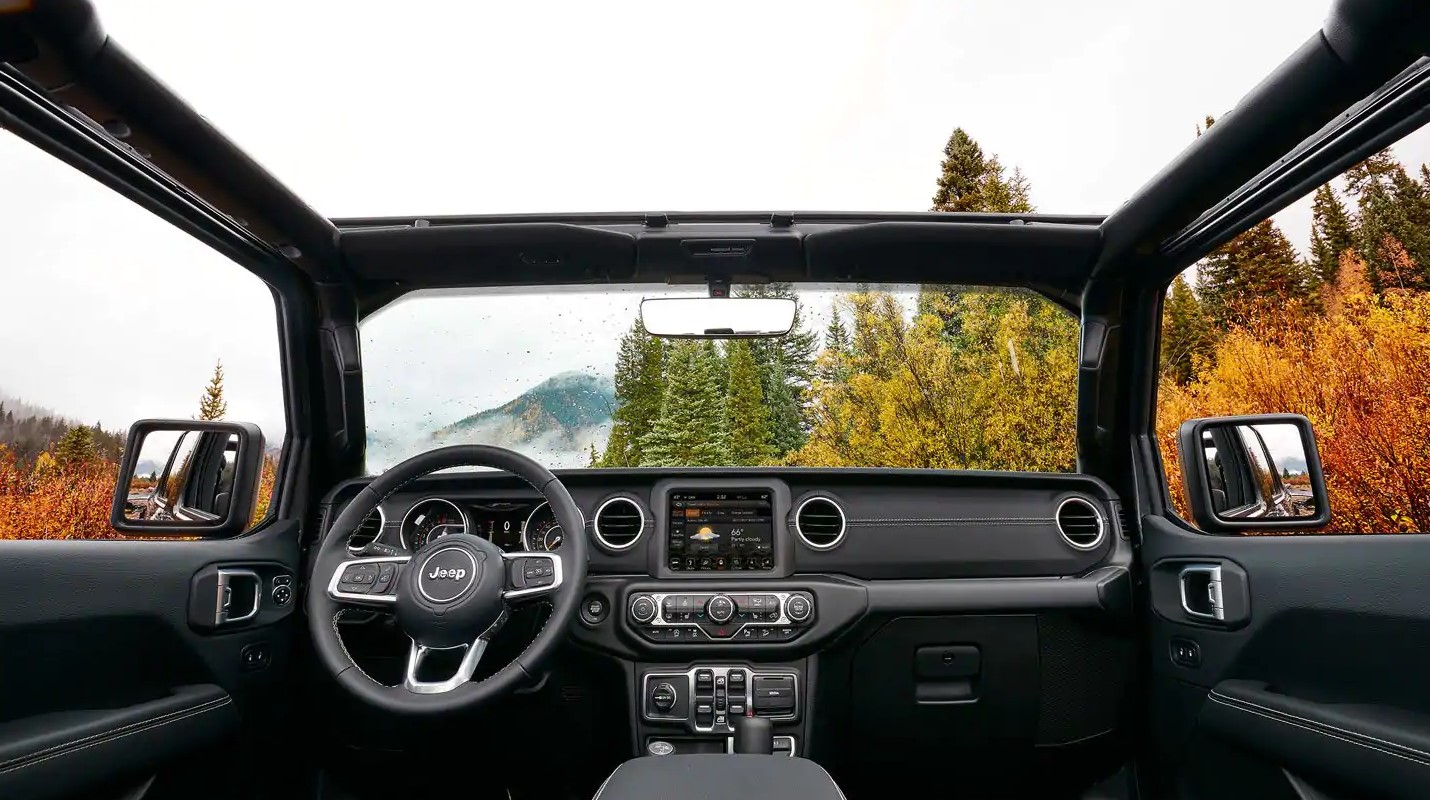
(1080,523)
(819,522)
(367,531)
(618,523)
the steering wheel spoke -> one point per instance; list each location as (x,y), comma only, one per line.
(471,657)
(531,576)
(367,581)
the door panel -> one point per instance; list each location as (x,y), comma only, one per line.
(1322,683)
(111,670)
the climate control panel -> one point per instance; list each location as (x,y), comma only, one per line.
(705,617)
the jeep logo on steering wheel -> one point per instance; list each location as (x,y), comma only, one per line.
(447,574)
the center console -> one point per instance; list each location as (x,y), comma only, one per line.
(721,595)
(695,709)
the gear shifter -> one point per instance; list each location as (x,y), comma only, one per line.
(754,734)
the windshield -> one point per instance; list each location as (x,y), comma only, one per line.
(887,376)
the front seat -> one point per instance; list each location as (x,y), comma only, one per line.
(719,777)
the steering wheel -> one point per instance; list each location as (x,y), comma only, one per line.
(454,594)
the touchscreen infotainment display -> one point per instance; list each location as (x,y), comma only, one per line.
(731,530)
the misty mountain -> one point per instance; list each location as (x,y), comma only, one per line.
(1295,464)
(555,422)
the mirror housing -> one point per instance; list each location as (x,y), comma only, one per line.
(1260,472)
(206,481)
(718,317)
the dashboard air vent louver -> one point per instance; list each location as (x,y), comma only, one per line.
(1124,522)
(618,523)
(368,530)
(1080,523)
(820,523)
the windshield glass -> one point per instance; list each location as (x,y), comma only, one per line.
(884,376)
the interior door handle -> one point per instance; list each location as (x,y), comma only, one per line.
(240,594)
(1202,596)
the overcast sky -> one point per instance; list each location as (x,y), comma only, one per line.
(460,107)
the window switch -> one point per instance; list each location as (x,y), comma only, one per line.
(1186,653)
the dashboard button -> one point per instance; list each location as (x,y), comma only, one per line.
(282,595)
(643,609)
(720,608)
(593,610)
(663,696)
(797,608)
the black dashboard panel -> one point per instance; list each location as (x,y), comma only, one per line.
(911,524)
(899,524)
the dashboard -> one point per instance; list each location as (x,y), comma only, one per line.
(900,611)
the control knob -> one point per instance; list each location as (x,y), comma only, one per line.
(663,696)
(720,609)
(643,609)
(797,608)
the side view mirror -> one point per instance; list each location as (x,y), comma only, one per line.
(1259,472)
(188,477)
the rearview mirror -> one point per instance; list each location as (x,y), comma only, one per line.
(188,477)
(1259,472)
(717,317)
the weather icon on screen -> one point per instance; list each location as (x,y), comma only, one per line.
(705,534)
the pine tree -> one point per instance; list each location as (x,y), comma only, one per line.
(76,447)
(689,431)
(833,365)
(969,180)
(593,458)
(1186,337)
(640,384)
(1394,215)
(747,428)
(786,365)
(1257,270)
(211,404)
(1332,233)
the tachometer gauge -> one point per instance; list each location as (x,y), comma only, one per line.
(431,519)
(541,533)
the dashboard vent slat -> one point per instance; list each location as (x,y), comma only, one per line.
(367,531)
(618,523)
(1080,523)
(819,522)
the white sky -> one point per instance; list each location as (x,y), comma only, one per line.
(467,107)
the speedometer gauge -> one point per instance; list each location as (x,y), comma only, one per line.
(431,519)
(541,533)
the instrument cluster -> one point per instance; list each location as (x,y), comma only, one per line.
(511,525)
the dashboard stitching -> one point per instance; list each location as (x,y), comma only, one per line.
(949,520)
(344,646)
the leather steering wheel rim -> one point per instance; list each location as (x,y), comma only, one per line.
(324,612)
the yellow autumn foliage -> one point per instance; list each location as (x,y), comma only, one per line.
(1360,371)
(999,393)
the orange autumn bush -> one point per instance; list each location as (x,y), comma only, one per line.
(1359,370)
(54,502)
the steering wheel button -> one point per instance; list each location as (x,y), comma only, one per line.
(354,588)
